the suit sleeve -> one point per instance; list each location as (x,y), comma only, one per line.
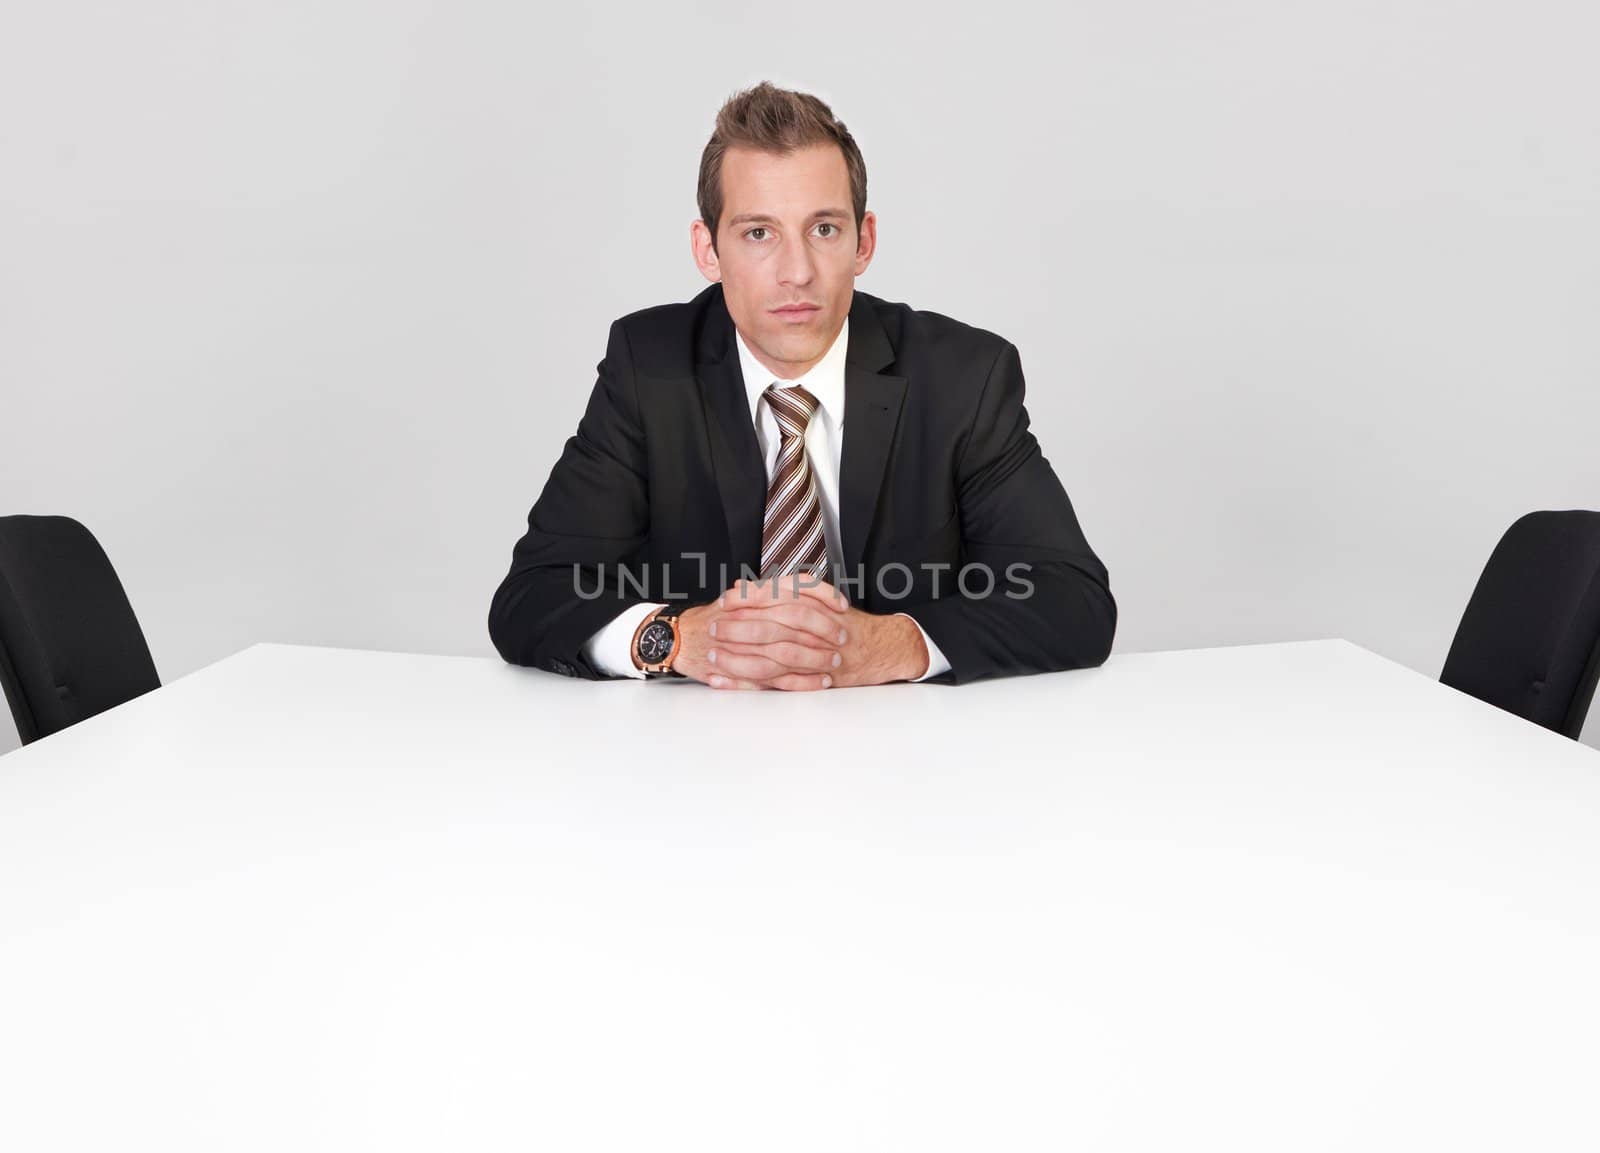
(588,525)
(1051,606)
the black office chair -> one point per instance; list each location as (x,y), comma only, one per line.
(1529,641)
(70,646)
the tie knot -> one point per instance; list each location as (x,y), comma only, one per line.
(793,406)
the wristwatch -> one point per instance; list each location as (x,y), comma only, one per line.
(656,642)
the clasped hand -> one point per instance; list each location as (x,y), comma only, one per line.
(785,633)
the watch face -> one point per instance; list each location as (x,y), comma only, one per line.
(655,643)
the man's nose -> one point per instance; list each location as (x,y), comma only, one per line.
(794,262)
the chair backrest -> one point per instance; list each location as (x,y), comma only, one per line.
(70,646)
(1529,640)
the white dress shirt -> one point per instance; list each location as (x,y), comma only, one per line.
(611,649)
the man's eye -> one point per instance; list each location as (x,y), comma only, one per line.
(825,224)
(752,233)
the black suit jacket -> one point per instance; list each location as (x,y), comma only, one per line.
(660,494)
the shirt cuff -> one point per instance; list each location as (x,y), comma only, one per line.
(936,660)
(611,649)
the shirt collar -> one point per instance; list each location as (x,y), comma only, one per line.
(825,381)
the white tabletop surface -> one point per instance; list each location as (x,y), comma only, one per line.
(1278,897)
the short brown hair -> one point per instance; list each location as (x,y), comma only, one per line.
(771,119)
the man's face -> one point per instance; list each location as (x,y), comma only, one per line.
(787,252)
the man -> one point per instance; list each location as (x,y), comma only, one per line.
(785,483)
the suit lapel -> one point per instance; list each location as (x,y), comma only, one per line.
(735,455)
(872,404)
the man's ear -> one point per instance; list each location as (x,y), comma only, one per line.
(866,242)
(703,247)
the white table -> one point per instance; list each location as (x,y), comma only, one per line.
(1280,897)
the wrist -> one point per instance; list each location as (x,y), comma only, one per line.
(908,655)
(690,620)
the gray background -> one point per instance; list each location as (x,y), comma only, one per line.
(298,302)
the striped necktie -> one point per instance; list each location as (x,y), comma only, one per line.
(791,534)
